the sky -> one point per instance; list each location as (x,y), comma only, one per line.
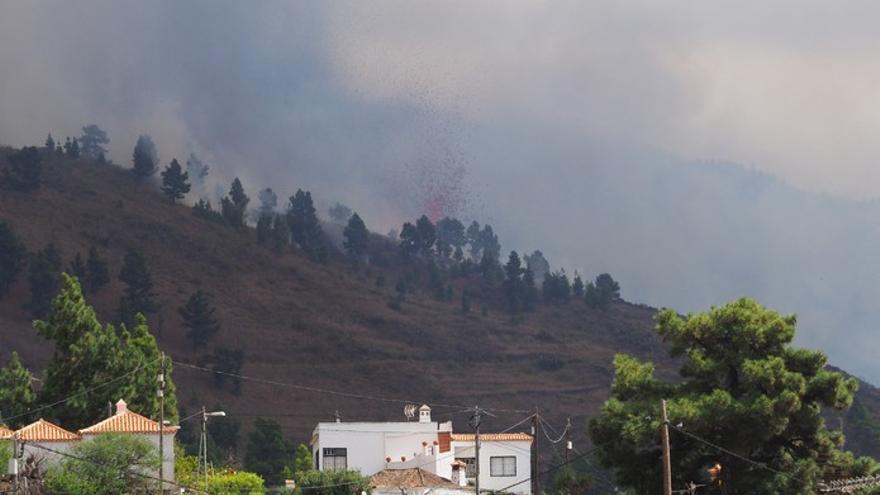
(697,151)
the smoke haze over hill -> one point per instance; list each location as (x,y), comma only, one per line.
(606,135)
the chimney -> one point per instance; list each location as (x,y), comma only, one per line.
(424,414)
(121,407)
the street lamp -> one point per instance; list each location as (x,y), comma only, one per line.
(203,442)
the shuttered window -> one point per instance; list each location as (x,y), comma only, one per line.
(335,458)
(502,466)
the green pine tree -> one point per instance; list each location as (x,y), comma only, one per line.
(280,233)
(235,204)
(92,142)
(24,171)
(198,318)
(98,274)
(16,392)
(145,157)
(174,181)
(264,229)
(138,296)
(356,236)
(267,451)
(44,274)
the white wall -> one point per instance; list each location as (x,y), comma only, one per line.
(521,450)
(368,444)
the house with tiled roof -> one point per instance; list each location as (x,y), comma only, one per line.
(414,481)
(51,443)
(424,446)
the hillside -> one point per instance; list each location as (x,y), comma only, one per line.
(330,326)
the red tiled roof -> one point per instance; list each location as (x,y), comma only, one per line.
(409,478)
(44,431)
(5,432)
(126,421)
(493,437)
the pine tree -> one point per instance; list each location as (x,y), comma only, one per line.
(226,362)
(280,233)
(475,240)
(138,294)
(86,353)
(16,391)
(92,142)
(198,317)
(78,269)
(264,229)
(267,452)
(268,202)
(427,235)
(12,257)
(530,290)
(145,157)
(234,205)
(74,151)
(305,229)
(68,147)
(50,143)
(577,286)
(44,274)
(24,171)
(174,181)
(356,236)
(513,284)
(450,236)
(409,239)
(98,272)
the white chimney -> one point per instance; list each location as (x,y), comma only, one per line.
(121,407)
(424,414)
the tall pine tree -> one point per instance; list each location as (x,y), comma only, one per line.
(235,204)
(145,157)
(92,142)
(174,181)
(44,275)
(356,236)
(97,270)
(138,296)
(12,257)
(24,171)
(16,392)
(198,318)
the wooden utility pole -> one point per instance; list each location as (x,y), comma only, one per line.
(667,461)
(567,439)
(161,393)
(536,482)
(476,424)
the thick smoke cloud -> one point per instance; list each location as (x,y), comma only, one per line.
(603,133)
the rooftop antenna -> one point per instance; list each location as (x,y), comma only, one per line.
(337,416)
(409,411)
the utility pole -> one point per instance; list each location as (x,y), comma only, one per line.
(568,445)
(475,423)
(536,483)
(15,463)
(667,461)
(203,444)
(161,393)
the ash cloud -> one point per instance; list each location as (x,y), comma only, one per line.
(605,134)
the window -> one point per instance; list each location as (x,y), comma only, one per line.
(470,470)
(335,458)
(502,466)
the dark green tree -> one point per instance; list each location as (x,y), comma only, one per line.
(356,236)
(92,142)
(556,287)
(86,353)
(427,235)
(514,289)
(264,229)
(267,451)
(12,257)
(742,386)
(409,239)
(601,293)
(305,229)
(175,183)
(77,268)
(138,296)
(198,318)
(145,157)
(474,236)
(24,171)
(225,433)
(530,290)
(16,392)
(280,233)
(608,286)
(303,461)
(334,482)
(98,273)
(235,204)
(44,274)
(71,148)
(202,209)
(268,202)
(50,143)
(450,236)
(109,464)
(577,286)
(227,362)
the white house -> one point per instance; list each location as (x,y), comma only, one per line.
(426,445)
(49,442)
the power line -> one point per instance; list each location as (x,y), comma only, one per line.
(351,395)
(78,394)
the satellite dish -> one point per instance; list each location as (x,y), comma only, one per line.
(409,411)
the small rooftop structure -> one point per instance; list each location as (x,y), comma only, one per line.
(409,478)
(126,421)
(44,431)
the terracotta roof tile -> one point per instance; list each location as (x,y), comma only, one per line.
(5,432)
(126,422)
(493,437)
(409,478)
(44,431)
